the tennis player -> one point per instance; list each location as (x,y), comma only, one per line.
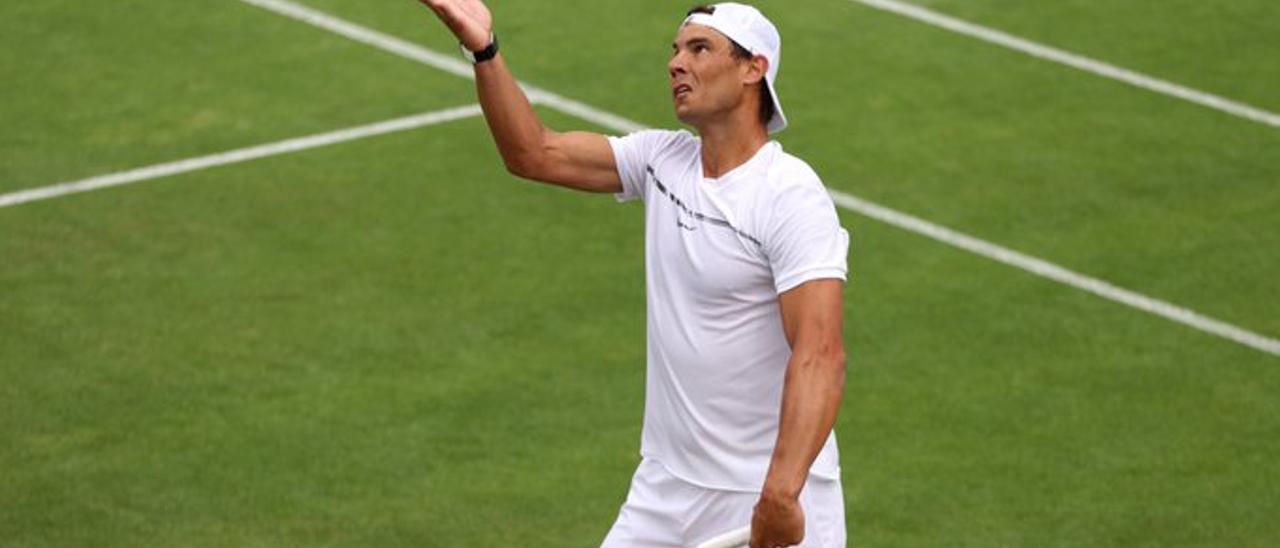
(745,263)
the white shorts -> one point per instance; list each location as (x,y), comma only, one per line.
(663,510)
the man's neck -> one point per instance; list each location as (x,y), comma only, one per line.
(729,143)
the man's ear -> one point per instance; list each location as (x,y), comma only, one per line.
(757,68)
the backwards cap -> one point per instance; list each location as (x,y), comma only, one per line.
(750,29)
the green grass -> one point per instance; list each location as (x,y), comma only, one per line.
(105,88)
(392,342)
(1224,48)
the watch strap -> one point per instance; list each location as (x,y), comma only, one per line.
(489,52)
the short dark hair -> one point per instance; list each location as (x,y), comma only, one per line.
(743,54)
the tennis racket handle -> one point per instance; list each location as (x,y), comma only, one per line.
(731,539)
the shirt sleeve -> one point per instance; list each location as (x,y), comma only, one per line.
(633,154)
(805,240)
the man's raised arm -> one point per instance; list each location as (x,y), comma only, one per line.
(578,160)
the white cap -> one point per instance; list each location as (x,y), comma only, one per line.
(749,28)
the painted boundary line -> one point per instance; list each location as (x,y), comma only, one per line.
(238,155)
(1046,269)
(447,63)
(1075,61)
(945,235)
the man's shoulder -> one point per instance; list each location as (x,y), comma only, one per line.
(662,139)
(788,171)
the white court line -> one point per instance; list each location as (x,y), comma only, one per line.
(1046,269)
(238,155)
(1076,61)
(602,118)
(451,64)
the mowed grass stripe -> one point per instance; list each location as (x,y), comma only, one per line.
(1035,266)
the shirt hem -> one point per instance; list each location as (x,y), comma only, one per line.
(834,476)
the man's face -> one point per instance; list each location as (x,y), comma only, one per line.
(706,79)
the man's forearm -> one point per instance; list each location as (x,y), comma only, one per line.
(515,126)
(812,392)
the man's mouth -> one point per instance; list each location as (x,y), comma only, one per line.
(681,90)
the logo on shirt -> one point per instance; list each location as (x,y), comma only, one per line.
(695,215)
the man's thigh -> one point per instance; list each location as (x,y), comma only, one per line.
(651,516)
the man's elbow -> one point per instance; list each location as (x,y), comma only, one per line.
(522,166)
(531,159)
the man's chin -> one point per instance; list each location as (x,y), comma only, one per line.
(687,118)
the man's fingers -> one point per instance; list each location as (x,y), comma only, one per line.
(777,523)
(473,9)
(464,21)
(447,10)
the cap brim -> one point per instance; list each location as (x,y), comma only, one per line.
(779,120)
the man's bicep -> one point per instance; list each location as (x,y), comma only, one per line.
(582,161)
(813,315)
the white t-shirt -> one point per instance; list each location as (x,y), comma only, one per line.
(718,252)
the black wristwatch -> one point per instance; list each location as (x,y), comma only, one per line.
(477,57)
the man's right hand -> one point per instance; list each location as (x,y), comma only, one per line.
(469,20)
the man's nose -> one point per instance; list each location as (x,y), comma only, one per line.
(676,65)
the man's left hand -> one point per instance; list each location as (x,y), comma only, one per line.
(778,521)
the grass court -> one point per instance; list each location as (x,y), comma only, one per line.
(392,342)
